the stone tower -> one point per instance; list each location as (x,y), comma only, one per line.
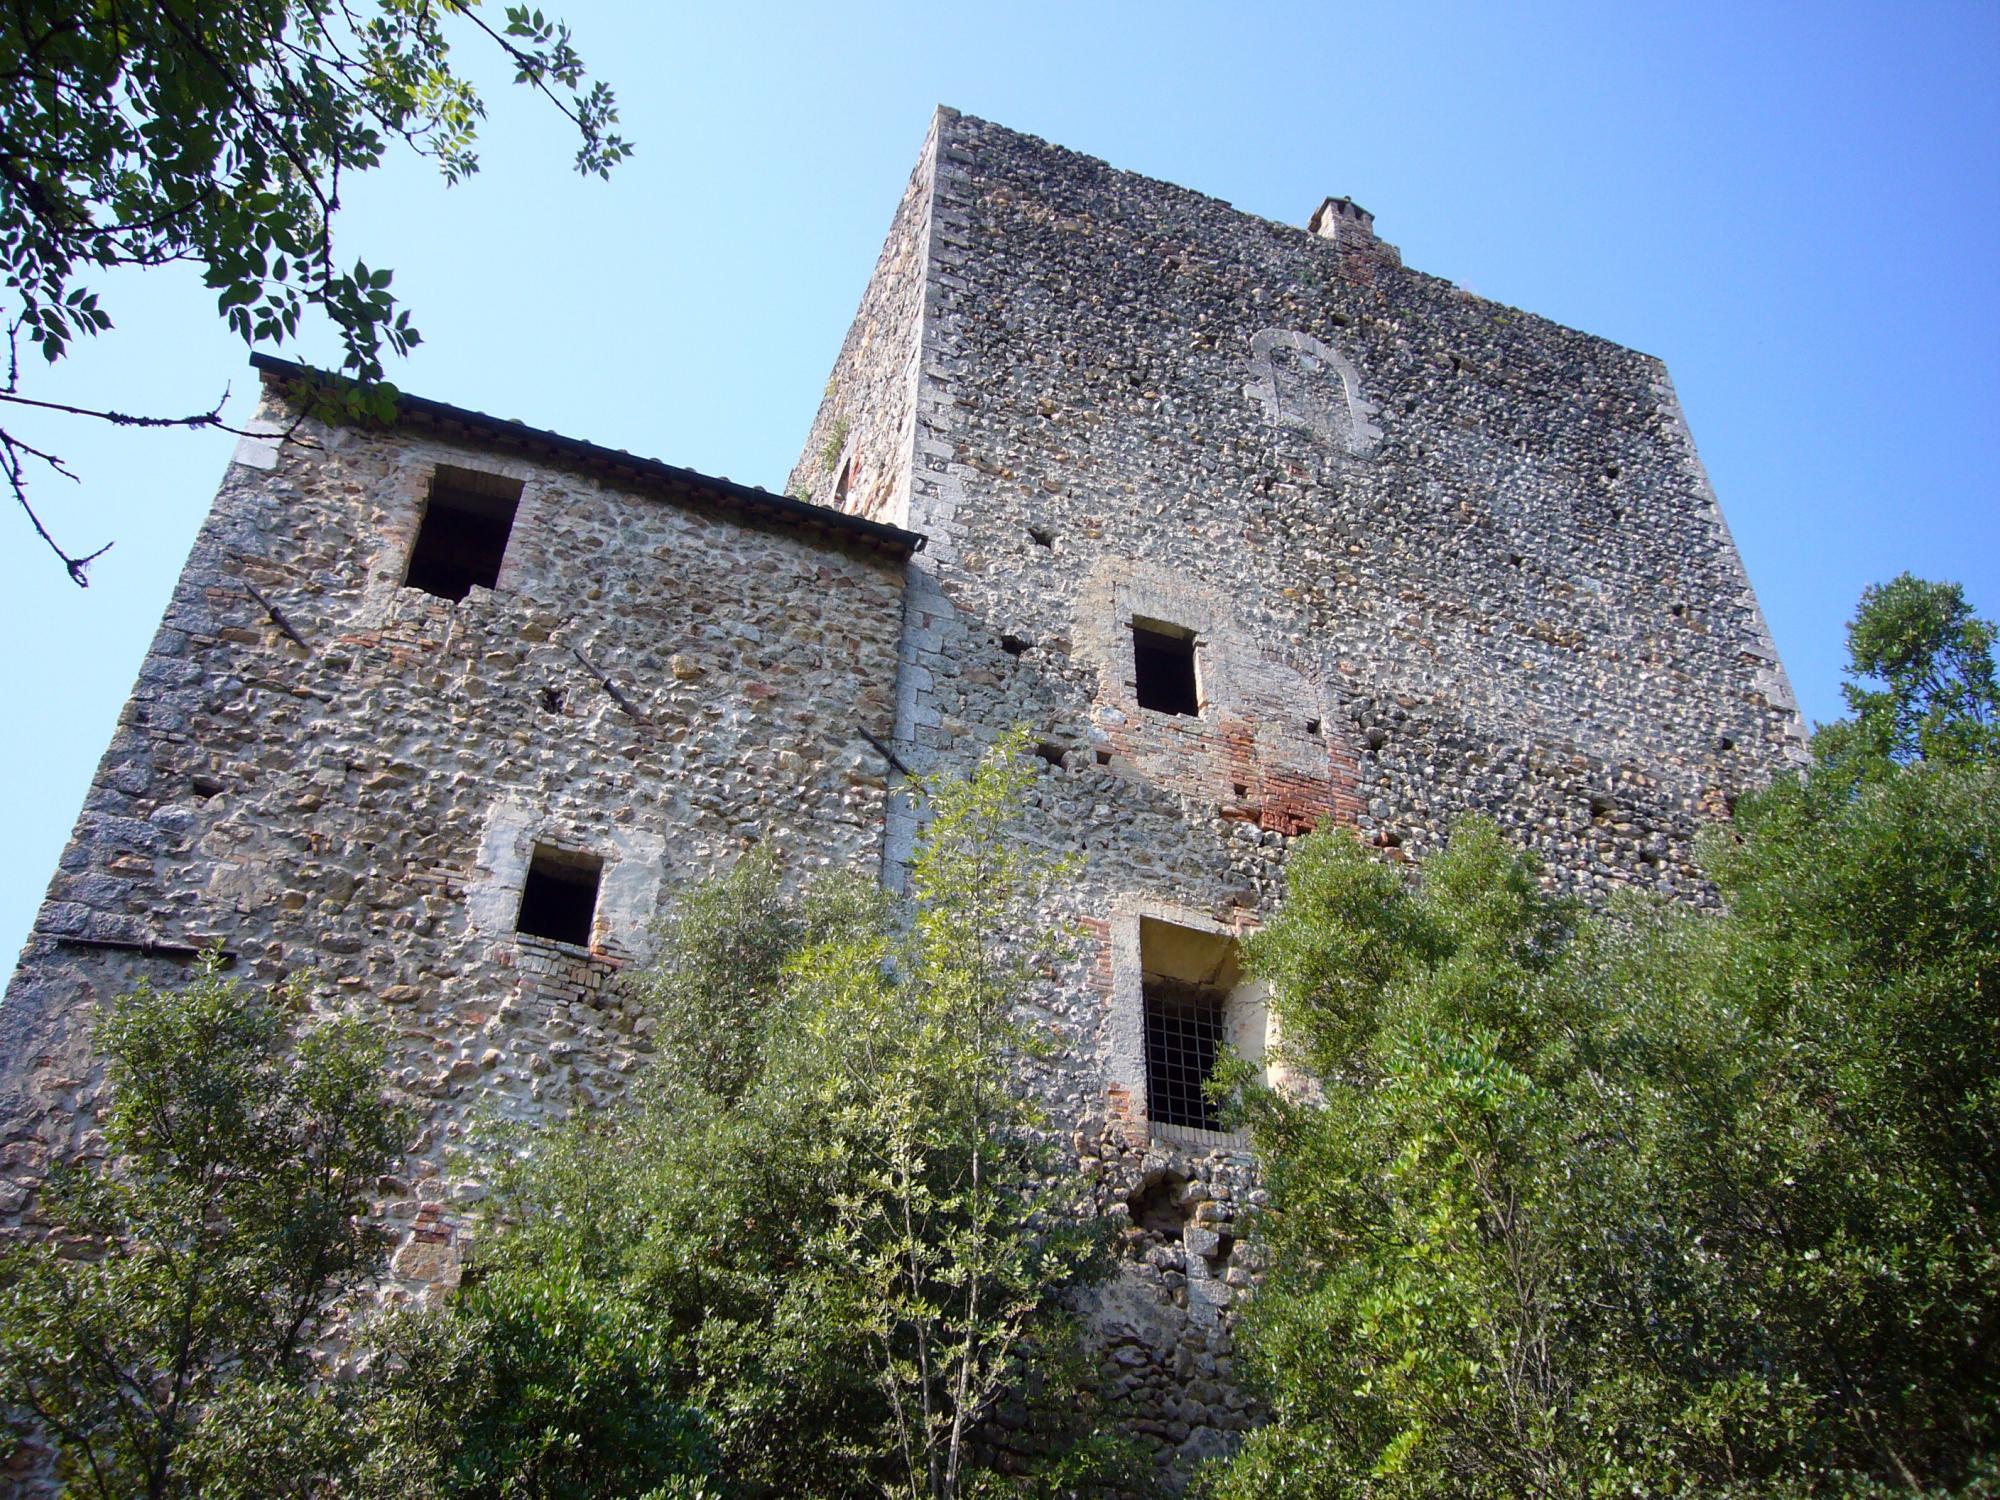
(1257,529)
(1261,530)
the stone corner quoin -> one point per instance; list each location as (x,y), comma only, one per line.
(1258,530)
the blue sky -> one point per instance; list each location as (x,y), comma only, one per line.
(1793,205)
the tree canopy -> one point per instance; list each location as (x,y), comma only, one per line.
(826,1250)
(1655,1201)
(220,133)
(182,1290)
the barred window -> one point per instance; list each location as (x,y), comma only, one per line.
(1183,1040)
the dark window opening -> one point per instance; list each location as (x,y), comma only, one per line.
(1157,1207)
(1051,754)
(1183,1040)
(840,485)
(1312,726)
(1163,669)
(559,897)
(463,535)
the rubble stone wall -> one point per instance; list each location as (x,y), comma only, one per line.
(1438,556)
(367,802)
(1435,556)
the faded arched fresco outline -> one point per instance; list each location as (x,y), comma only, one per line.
(1295,383)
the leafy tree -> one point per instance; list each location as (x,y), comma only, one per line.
(1938,699)
(189,1273)
(828,1242)
(1652,1201)
(220,133)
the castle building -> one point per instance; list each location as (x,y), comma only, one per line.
(1258,530)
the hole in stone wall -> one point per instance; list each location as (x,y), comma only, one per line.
(1312,726)
(1377,737)
(1163,668)
(1602,806)
(204,787)
(1677,610)
(1611,471)
(1157,1208)
(1513,559)
(1242,789)
(1218,1258)
(1015,645)
(552,700)
(559,896)
(1051,753)
(463,535)
(1724,742)
(1040,537)
(1104,757)
(841,484)
(1648,858)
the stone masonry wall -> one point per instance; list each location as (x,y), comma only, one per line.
(1435,556)
(1438,556)
(367,803)
(863,428)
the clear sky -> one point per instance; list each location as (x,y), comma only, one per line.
(1793,205)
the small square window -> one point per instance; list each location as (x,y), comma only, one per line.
(463,535)
(1163,668)
(559,897)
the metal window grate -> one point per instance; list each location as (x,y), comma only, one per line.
(1183,1040)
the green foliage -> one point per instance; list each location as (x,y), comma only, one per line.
(220,133)
(836,440)
(1655,1202)
(1662,1203)
(1938,700)
(187,1277)
(829,1240)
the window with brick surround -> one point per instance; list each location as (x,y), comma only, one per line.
(559,895)
(1196,1004)
(462,538)
(1163,668)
